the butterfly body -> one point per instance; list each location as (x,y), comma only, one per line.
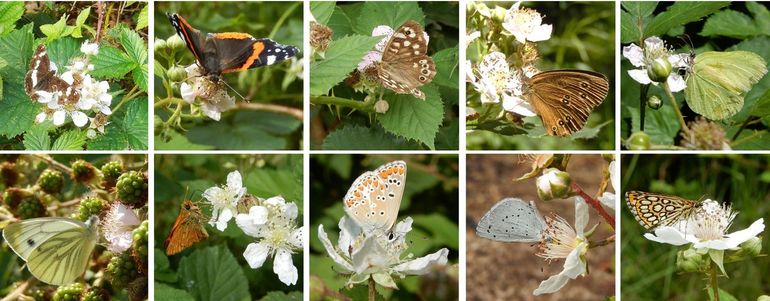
(654,210)
(227,52)
(188,229)
(512,220)
(41,77)
(375,197)
(718,81)
(405,65)
(565,98)
(56,249)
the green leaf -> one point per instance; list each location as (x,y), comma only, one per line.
(61,50)
(17,112)
(163,270)
(640,8)
(341,22)
(179,142)
(213,274)
(447,67)
(447,138)
(16,49)
(589,132)
(36,138)
(341,58)
(729,23)
(57,30)
(81,19)
(134,45)
(412,118)
(10,12)
(112,63)
(166,293)
(235,137)
(392,14)
(141,19)
(266,182)
(440,228)
(322,10)
(723,295)
(70,140)
(761,16)
(140,77)
(353,137)
(282,296)
(127,130)
(661,124)
(681,13)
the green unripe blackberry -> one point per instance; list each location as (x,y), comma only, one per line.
(9,174)
(132,189)
(90,206)
(122,270)
(12,197)
(83,172)
(95,294)
(30,208)
(51,181)
(139,241)
(111,171)
(42,294)
(71,292)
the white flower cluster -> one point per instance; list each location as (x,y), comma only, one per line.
(94,96)
(213,97)
(273,222)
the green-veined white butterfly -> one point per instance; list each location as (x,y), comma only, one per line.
(56,249)
(718,81)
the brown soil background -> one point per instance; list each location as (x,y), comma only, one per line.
(511,271)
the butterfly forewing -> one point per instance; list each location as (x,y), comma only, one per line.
(512,220)
(405,65)
(565,98)
(375,197)
(188,229)
(653,210)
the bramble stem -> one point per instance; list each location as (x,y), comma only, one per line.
(594,203)
(332,100)
(372,289)
(675,106)
(714,273)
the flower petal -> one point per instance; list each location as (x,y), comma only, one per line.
(581,215)
(540,33)
(423,265)
(608,199)
(668,235)
(573,267)
(234,180)
(634,54)
(58,117)
(297,237)
(640,76)
(255,254)
(518,105)
(284,267)
(676,83)
(79,118)
(339,260)
(734,239)
(225,216)
(349,230)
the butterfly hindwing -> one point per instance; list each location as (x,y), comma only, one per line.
(405,65)
(512,220)
(188,229)
(565,98)
(375,197)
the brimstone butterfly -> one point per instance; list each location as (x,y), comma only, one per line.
(718,81)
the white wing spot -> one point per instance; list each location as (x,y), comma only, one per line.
(270,59)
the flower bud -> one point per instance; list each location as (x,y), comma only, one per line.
(638,141)
(381,106)
(690,261)
(498,14)
(554,184)
(654,102)
(176,74)
(659,70)
(160,45)
(175,43)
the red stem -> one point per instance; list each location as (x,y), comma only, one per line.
(594,203)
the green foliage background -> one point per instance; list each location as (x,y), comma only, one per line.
(430,198)
(710,26)
(122,60)
(583,37)
(343,120)
(648,269)
(216,264)
(275,85)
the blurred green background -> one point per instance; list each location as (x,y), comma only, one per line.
(648,268)
(583,37)
(275,84)
(179,177)
(430,198)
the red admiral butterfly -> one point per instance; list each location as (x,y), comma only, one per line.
(41,78)
(227,52)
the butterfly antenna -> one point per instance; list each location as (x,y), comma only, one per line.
(231,88)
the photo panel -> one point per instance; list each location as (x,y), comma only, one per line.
(384,75)
(228,67)
(74,226)
(694,76)
(384,226)
(228,227)
(540,75)
(70,80)
(696,223)
(549,235)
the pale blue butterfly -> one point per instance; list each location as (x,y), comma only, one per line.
(512,220)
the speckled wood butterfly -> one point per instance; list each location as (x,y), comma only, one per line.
(565,98)
(405,65)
